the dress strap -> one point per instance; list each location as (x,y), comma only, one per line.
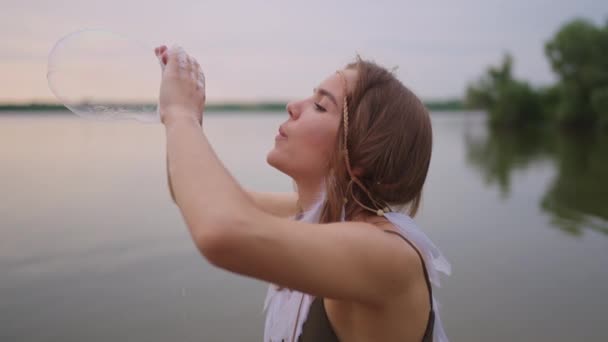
(426,273)
(435,263)
(430,324)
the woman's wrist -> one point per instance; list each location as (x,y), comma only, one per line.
(180,116)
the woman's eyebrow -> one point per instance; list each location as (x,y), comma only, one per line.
(324,92)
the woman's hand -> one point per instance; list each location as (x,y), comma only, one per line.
(182,89)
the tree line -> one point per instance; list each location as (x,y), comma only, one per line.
(578,54)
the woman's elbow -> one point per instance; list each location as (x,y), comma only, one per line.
(217,241)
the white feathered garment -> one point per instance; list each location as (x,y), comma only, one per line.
(281,307)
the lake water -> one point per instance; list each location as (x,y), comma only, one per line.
(93,249)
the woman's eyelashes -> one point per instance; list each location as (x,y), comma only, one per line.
(319,108)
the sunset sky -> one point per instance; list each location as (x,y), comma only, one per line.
(278,50)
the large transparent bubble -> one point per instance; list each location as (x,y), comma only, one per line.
(104,75)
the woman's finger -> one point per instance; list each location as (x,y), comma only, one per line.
(159,50)
(164,57)
(191,64)
(174,59)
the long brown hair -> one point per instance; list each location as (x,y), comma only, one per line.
(389,139)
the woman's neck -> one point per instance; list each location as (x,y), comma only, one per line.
(308,195)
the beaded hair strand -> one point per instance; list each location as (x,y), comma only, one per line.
(353,178)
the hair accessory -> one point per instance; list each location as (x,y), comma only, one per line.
(353,178)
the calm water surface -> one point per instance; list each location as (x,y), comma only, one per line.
(92,248)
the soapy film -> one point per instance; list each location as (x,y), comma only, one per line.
(103,75)
(183,59)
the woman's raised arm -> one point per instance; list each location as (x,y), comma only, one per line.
(342,260)
(281,204)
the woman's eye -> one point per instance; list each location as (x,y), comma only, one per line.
(319,108)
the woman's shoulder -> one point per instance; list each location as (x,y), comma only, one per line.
(408,252)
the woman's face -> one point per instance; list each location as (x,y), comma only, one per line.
(308,137)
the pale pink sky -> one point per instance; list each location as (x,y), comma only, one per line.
(263,50)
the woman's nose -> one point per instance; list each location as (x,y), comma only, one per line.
(291,109)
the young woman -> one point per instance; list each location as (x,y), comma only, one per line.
(349,264)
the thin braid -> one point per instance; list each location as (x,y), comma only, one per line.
(353,178)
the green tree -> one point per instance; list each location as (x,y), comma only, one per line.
(599,104)
(578,54)
(509,102)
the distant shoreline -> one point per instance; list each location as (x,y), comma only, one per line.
(447,105)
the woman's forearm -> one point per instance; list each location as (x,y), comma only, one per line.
(204,190)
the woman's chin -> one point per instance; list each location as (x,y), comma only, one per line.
(272,157)
(276,159)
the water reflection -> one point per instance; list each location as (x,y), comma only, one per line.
(577,196)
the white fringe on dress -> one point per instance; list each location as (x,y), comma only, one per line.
(281,307)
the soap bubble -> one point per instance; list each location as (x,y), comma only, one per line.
(104,75)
